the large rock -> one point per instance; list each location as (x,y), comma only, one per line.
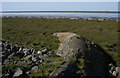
(118,75)
(18,73)
(35,69)
(117,69)
(44,51)
(73,46)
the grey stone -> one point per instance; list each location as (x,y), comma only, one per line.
(114,73)
(112,68)
(34,59)
(35,69)
(111,65)
(41,61)
(19,62)
(75,46)
(70,44)
(110,71)
(6,75)
(27,72)
(18,72)
(44,51)
(45,56)
(117,69)
(35,52)
(26,49)
(28,56)
(40,56)
(39,52)
(118,75)
(20,49)
(70,47)
(11,55)
(38,62)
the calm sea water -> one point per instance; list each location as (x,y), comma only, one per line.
(62,15)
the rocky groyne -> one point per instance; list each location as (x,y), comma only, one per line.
(82,58)
(90,59)
(20,56)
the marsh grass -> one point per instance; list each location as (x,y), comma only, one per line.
(48,66)
(37,32)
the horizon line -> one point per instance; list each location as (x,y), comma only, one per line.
(59,11)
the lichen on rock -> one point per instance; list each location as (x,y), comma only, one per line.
(83,57)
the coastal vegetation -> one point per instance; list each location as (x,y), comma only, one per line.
(38,32)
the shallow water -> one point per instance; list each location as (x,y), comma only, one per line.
(107,15)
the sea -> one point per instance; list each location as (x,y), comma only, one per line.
(89,16)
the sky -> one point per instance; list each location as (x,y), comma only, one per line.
(59,6)
(60,0)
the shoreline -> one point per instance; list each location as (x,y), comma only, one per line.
(64,17)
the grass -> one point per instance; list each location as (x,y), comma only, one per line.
(44,70)
(7,68)
(37,32)
(48,66)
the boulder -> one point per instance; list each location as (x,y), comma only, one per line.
(29,56)
(26,52)
(44,51)
(39,52)
(6,75)
(72,46)
(20,49)
(18,72)
(34,58)
(35,69)
(28,72)
(114,73)
(117,69)
(11,55)
(35,52)
(43,57)
(112,68)
(118,75)
(25,49)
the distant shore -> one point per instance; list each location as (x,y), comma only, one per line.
(57,16)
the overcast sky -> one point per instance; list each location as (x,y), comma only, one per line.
(60,6)
(60,0)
